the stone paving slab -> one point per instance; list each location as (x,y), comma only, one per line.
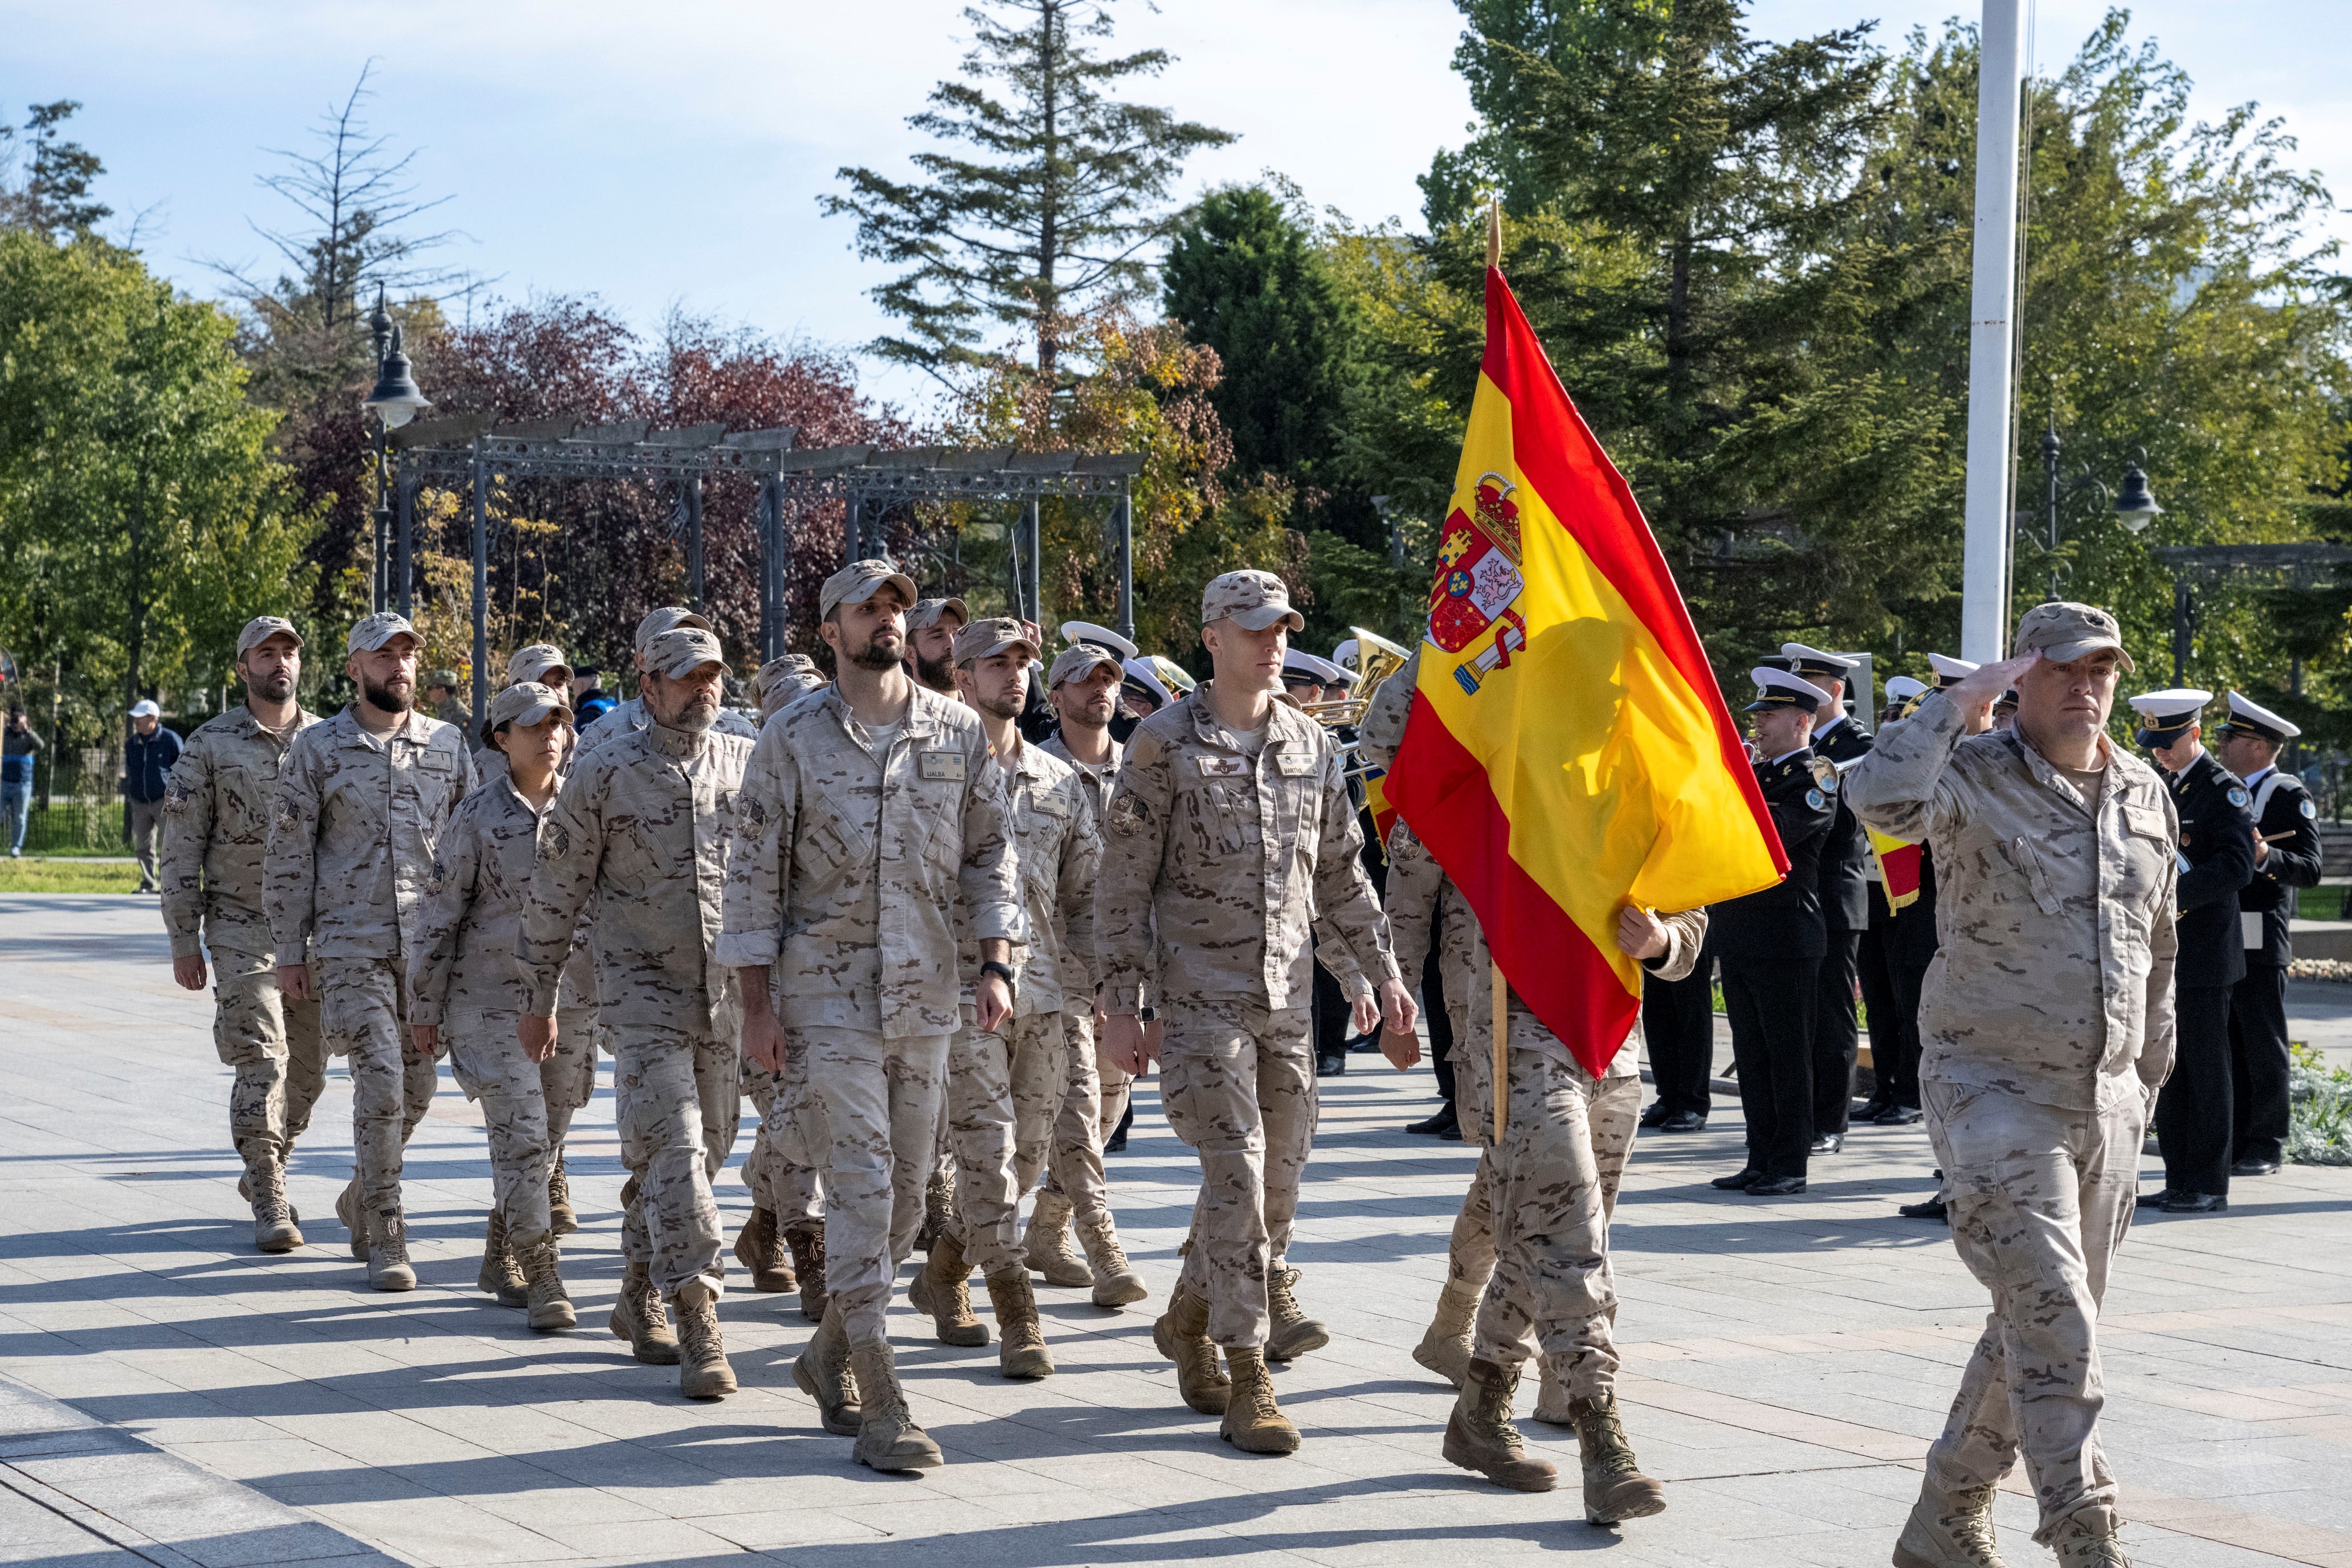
(1786,1363)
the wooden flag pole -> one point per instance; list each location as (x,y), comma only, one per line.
(1502,1085)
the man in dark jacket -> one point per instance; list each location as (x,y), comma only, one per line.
(147,759)
(17,744)
(1846,894)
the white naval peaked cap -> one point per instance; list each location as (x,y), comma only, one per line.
(1948,669)
(1834,665)
(2244,711)
(1322,672)
(1902,688)
(2171,704)
(1779,689)
(1080,632)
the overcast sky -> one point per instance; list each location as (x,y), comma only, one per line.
(672,155)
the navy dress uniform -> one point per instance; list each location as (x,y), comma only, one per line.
(1845,893)
(2287,820)
(1770,944)
(2193,1118)
(1893,1032)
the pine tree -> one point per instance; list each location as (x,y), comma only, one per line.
(54,198)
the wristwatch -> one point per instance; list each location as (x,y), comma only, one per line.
(1003,972)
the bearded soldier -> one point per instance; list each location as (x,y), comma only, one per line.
(1231,833)
(360,804)
(632,716)
(216,809)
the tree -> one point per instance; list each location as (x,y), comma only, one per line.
(1051,214)
(53,198)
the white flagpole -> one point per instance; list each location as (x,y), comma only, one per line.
(1992,306)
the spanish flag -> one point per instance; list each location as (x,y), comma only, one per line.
(1898,869)
(1569,750)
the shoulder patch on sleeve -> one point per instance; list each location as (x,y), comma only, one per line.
(754,811)
(2309,810)
(1143,749)
(2238,796)
(559,841)
(1130,813)
(1815,799)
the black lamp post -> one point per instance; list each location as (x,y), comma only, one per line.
(396,401)
(2133,507)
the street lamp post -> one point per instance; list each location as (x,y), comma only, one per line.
(2135,507)
(397,401)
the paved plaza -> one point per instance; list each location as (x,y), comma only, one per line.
(167,1396)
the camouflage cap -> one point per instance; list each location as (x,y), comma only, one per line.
(525,703)
(679,654)
(1254,600)
(371,632)
(2063,632)
(537,662)
(1077,663)
(668,618)
(795,670)
(448,677)
(991,634)
(855,583)
(261,629)
(927,613)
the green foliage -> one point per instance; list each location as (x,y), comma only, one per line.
(53,196)
(2319,1111)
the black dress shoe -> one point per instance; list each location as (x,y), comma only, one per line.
(1684,1121)
(1829,1144)
(1656,1114)
(1869,1109)
(1117,1142)
(2251,1167)
(1437,1125)
(1333,1066)
(1739,1181)
(1932,1209)
(2194,1203)
(2157,1199)
(1897,1116)
(1776,1186)
(1451,1133)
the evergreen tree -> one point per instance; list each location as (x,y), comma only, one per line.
(1050,212)
(53,199)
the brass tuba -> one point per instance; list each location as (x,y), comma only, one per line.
(1377,659)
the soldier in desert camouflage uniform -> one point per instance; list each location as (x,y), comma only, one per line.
(931,628)
(217,810)
(465,989)
(362,800)
(639,838)
(2046,1028)
(868,809)
(632,717)
(1230,832)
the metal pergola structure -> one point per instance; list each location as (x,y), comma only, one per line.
(2195,566)
(870,482)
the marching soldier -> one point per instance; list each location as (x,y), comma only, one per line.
(2194,1120)
(541,664)
(362,801)
(1771,943)
(441,696)
(931,628)
(463,984)
(631,716)
(1230,832)
(868,809)
(639,836)
(2287,857)
(1845,871)
(216,813)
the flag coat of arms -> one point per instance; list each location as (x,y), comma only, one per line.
(1569,752)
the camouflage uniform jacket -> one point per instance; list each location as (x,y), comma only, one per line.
(464,960)
(848,866)
(637,841)
(2055,918)
(1094,783)
(1214,868)
(1059,853)
(1420,894)
(630,718)
(217,810)
(357,817)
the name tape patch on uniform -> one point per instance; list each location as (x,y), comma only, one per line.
(1295,764)
(437,762)
(943,765)
(1223,767)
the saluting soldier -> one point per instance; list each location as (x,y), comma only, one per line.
(1845,871)
(2287,857)
(2193,1118)
(216,813)
(1770,943)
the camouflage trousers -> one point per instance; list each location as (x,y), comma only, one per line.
(870,1111)
(364,1014)
(1551,1188)
(780,1171)
(1003,1091)
(567,1081)
(274,1046)
(676,1098)
(2040,1198)
(488,1064)
(1075,1169)
(1237,1083)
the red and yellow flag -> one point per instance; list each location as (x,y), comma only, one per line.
(1569,750)
(1898,869)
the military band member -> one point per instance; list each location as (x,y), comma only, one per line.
(869,808)
(362,801)
(2193,1115)
(1231,833)
(2287,857)
(216,813)
(1845,870)
(1771,943)
(631,716)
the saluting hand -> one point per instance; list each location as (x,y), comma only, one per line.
(1981,688)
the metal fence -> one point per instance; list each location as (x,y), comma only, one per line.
(77,801)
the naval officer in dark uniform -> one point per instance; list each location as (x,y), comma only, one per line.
(1771,943)
(2287,857)
(1845,895)
(2194,1120)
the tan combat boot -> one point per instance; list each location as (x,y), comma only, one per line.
(1949,1529)
(943,1289)
(822,1373)
(274,1229)
(1253,1423)
(702,1369)
(1047,1243)
(1019,1339)
(387,1264)
(550,1305)
(347,1210)
(761,1250)
(939,1208)
(1117,1284)
(1479,1434)
(501,1276)
(1553,1408)
(2088,1539)
(888,1438)
(638,1318)
(808,1268)
(1614,1486)
(564,1219)
(1445,1345)
(1294,1332)
(1182,1335)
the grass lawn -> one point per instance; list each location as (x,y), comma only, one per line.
(65,877)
